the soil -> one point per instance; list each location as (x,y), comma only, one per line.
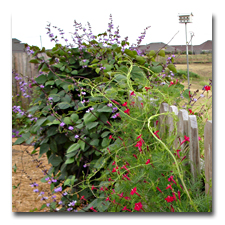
(24,199)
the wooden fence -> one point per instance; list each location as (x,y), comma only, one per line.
(187,125)
(26,70)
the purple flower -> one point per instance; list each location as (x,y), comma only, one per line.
(50,98)
(42,86)
(76,136)
(62,124)
(114,109)
(69,209)
(13,136)
(64,194)
(41,193)
(34,184)
(195,99)
(72,203)
(70,128)
(44,198)
(109,105)
(36,190)
(91,108)
(47,204)
(58,189)
(114,116)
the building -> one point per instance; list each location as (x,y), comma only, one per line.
(17,46)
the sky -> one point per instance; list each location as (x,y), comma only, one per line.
(131,17)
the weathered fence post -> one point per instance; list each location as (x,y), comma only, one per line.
(164,107)
(171,123)
(182,126)
(194,146)
(208,156)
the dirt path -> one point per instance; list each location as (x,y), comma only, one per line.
(24,199)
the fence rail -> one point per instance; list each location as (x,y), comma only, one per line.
(187,125)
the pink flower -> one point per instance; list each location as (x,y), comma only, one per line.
(120,195)
(178,153)
(115,102)
(147,88)
(174,196)
(82,197)
(110,137)
(138,206)
(171,179)
(114,163)
(172,209)
(147,162)
(183,158)
(135,156)
(139,144)
(124,104)
(92,188)
(114,170)
(199,138)
(107,199)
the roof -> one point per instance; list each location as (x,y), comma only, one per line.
(17,46)
(156,46)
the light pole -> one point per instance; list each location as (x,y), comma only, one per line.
(192,35)
(186,18)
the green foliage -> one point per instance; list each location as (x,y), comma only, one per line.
(96,102)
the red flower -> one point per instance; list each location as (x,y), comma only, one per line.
(114,170)
(172,209)
(139,137)
(120,195)
(138,206)
(169,199)
(147,88)
(127,198)
(134,191)
(124,104)
(159,189)
(114,163)
(169,186)
(127,111)
(178,194)
(157,122)
(185,139)
(132,93)
(82,197)
(92,188)
(101,189)
(116,102)
(171,179)
(139,144)
(183,158)
(178,153)
(147,162)
(125,208)
(111,137)
(171,83)
(207,88)
(142,104)
(125,175)
(107,199)
(109,123)
(191,112)
(135,156)
(93,209)
(174,196)
(155,133)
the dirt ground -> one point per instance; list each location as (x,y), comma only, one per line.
(24,199)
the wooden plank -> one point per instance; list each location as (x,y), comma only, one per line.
(171,123)
(208,156)
(182,126)
(164,107)
(194,146)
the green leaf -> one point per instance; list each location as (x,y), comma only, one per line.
(19,141)
(94,142)
(43,206)
(52,131)
(172,68)
(69,161)
(104,134)
(14,168)
(105,142)
(186,94)
(152,53)
(51,82)
(91,125)
(130,53)
(43,148)
(40,121)
(105,109)
(67,121)
(34,61)
(89,117)
(41,79)
(74,117)
(140,59)
(64,105)
(82,144)
(75,72)
(156,69)
(73,148)
(162,53)
(55,160)
(53,145)
(26,136)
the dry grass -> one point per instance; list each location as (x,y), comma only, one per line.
(205,73)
